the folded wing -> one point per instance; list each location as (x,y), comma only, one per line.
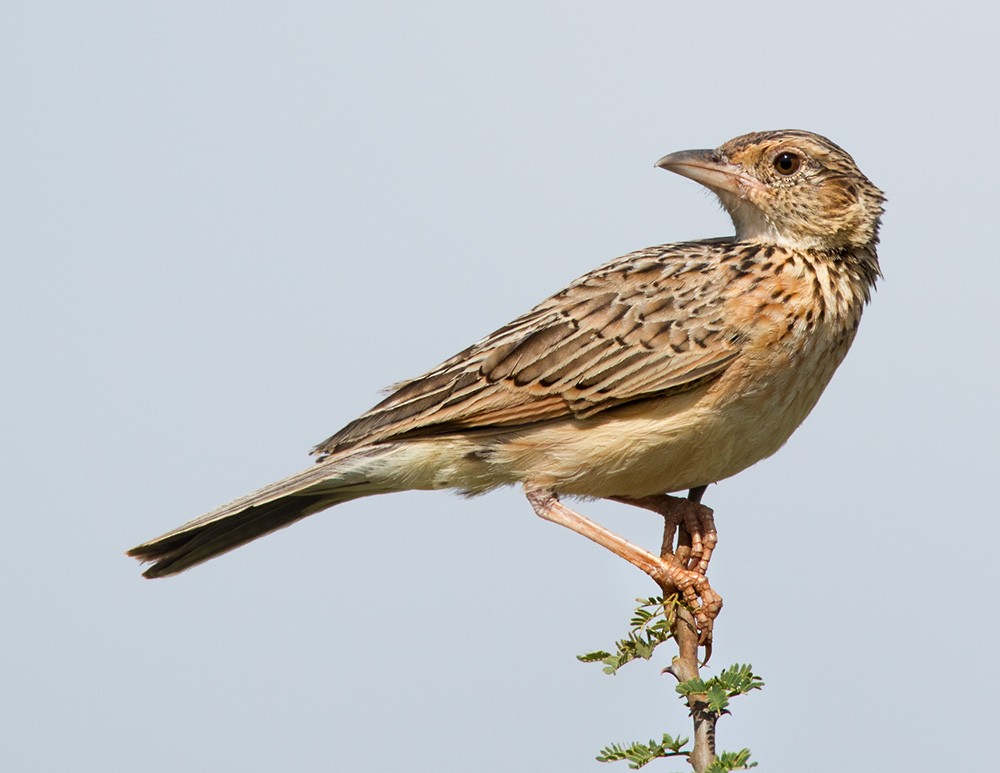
(643,325)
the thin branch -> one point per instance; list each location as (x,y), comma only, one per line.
(685,665)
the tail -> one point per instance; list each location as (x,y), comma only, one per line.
(335,480)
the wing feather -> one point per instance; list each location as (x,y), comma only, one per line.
(648,323)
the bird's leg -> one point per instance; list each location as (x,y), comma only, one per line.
(666,571)
(688,512)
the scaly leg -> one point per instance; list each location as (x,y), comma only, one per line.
(666,571)
(696,517)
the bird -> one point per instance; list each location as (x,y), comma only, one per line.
(667,369)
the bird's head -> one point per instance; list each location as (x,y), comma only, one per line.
(788,187)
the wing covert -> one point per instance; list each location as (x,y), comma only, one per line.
(647,323)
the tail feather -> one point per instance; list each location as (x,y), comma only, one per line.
(175,552)
(247,518)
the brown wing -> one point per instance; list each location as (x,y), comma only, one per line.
(647,323)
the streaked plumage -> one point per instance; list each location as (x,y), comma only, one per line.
(666,369)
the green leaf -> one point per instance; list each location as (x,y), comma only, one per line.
(717,698)
(650,626)
(594,657)
(727,761)
(738,679)
(692,687)
(639,754)
(735,680)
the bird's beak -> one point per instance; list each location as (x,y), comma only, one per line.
(710,168)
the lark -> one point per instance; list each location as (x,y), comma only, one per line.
(665,370)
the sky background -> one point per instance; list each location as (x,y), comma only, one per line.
(226,226)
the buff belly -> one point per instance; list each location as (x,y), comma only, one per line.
(672,443)
(650,447)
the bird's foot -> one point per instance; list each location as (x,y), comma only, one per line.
(696,592)
(670,571)
(697,519)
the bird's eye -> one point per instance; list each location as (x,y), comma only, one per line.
(787,163)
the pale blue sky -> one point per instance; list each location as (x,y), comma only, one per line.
(228,225)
